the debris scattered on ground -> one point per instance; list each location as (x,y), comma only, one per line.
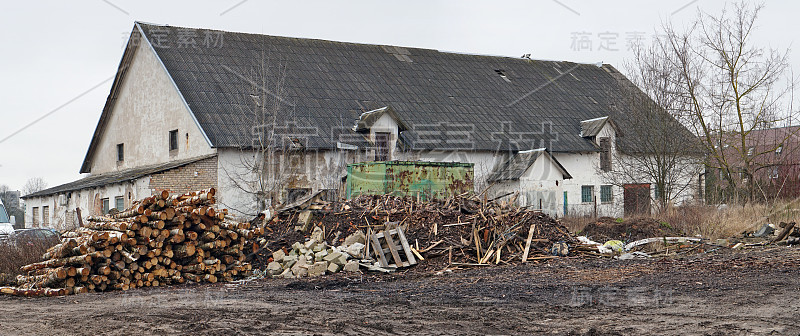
(160,240)
(459,231)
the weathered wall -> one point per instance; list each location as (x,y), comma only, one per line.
(63,205)
(314,170)
(194,176)
(148,107)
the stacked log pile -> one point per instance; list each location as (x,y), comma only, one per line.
(160,240)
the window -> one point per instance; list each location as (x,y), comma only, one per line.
(120,203)
(173,140)
(656,192)
(605,194)
(750,151)
(605,153)
(774,173)
(105,206)
(779,150)
(382,146)
(120,152)
(35,216)
(587,194)
(45,215)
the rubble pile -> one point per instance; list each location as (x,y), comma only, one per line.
(315,257)
(160,240)
(461,230)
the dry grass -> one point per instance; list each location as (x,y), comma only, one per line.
(730,220)
(12,258)
(714,222)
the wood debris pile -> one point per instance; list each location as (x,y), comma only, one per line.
(461,230)
(160,240)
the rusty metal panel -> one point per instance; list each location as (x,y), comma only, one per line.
(409,178)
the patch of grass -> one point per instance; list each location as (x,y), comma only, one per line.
(619,220)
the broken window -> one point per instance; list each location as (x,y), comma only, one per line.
(173,140)
(779,150)
(120,152)
(774,173)
(605,194)
(45,215)
(106,206)
(605,153)
(382,146)
(587,194)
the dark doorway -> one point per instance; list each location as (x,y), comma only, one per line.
(637,199)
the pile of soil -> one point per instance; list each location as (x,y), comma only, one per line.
(607,228)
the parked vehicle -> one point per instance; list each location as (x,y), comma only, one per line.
(35,237)
(6,222)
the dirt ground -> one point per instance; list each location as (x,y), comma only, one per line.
(751,292)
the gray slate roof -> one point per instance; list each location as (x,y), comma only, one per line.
(516,166)
(447,100)
(502,102)
(100,180)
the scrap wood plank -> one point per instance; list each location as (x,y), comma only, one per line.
(393,249)
(376,246)
(406,247)
(528,243)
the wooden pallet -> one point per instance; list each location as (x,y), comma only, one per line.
(384,245)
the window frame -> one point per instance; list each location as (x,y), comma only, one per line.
(383,146)
(45,215)
(584,194)
(119,203)
(173,141)
(605,153)
(106,206)
(35,216)
(120,152)
(606,194)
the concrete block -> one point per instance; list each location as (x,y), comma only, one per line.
(304,221)
(310,244)
(342,260)
(317,234)
(333,268)
(331,256)
(320,255)
(317,269)
(274,268)
(356,237)
(297,246)
(289,264)
(278,256)
(351,266)
(356,250)
(287,273)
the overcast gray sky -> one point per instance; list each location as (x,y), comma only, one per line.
(58,57)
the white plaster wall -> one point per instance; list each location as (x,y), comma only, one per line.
(147,108)
(316,170)
(62,216)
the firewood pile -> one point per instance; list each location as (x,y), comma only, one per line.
(460,231)
(160,240)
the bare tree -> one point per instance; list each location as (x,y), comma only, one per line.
(727,89)
(33,185)
(653,147)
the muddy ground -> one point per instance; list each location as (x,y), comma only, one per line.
(751,292)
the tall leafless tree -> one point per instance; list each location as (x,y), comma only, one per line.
(727,88)
(653,147)
(33,185)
